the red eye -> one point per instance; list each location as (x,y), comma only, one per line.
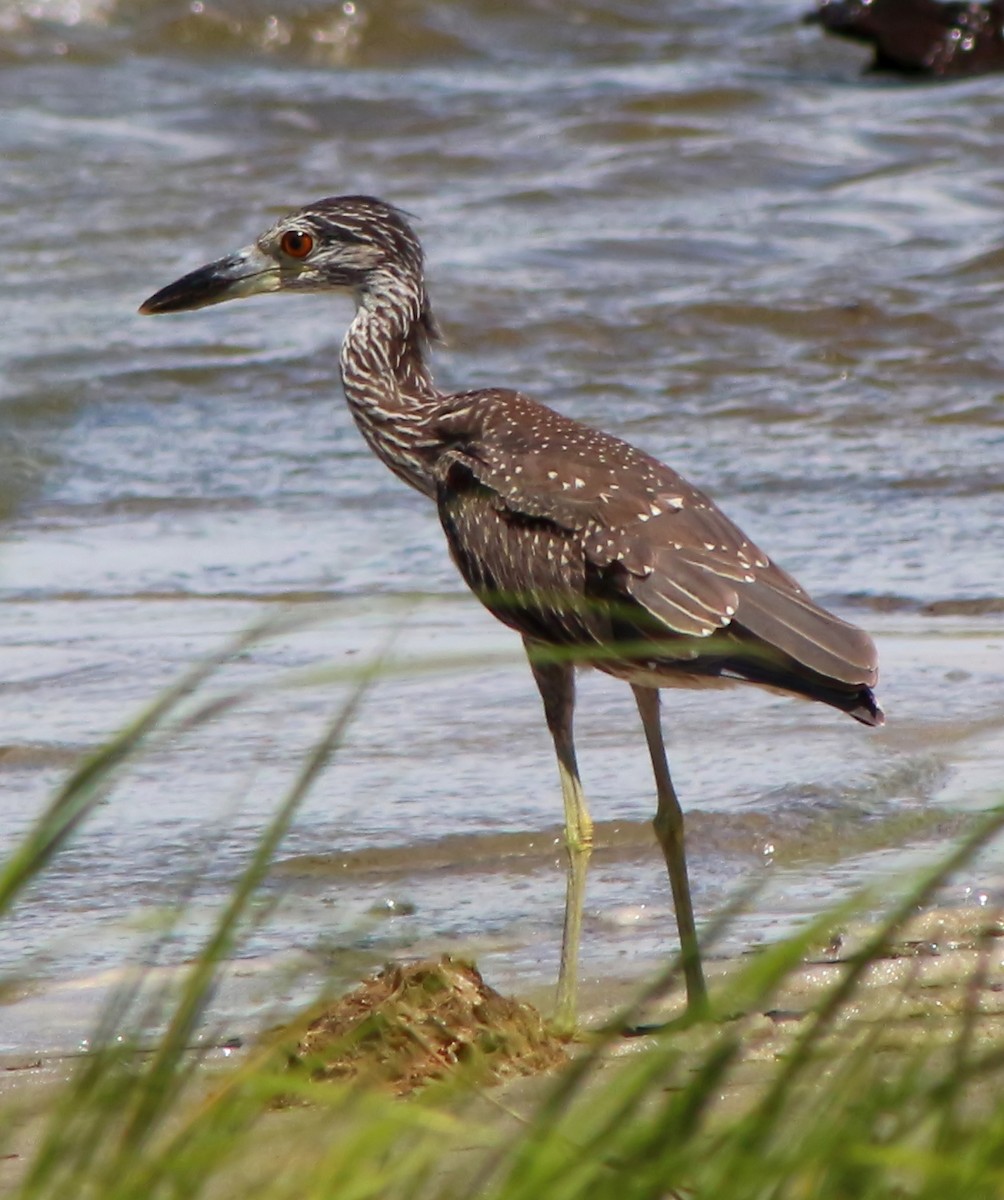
(296,243)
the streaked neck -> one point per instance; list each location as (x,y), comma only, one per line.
(387,380)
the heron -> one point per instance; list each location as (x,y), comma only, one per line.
(592,550)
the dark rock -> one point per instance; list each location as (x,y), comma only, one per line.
(921,37)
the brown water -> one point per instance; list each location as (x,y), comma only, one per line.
(696,226)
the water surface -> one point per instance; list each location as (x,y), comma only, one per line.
(697,227)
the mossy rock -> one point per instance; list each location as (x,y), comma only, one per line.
(409,1025)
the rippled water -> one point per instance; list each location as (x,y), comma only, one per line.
(696,226)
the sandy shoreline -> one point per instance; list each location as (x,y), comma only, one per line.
(945,963)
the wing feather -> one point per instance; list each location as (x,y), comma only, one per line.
(809,634)
(600,505)
(685,598)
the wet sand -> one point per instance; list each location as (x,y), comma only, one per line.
(944,964)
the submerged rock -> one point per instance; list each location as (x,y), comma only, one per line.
(921,37)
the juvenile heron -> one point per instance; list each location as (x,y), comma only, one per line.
(590,549)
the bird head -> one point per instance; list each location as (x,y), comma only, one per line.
(343,243)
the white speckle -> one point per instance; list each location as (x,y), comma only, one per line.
(579,482)
(644,517)
(552,474)
(655,510)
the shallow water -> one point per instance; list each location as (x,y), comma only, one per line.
(699,228)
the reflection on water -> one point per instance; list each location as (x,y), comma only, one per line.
(694,226)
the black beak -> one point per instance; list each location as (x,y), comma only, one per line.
(243,274)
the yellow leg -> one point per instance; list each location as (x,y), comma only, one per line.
(668,825)
(556,682)
(578,846)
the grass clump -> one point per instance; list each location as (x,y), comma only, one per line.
(876,1074)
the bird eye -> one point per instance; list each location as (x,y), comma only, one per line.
(296,243)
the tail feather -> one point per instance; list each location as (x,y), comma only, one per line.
(857,701)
